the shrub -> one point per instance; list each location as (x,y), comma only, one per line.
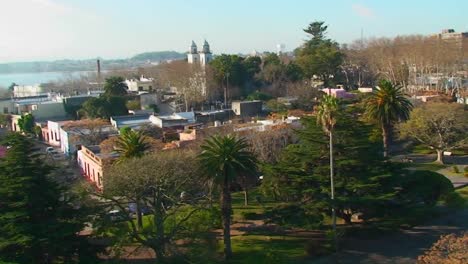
(455,169)
(448,249)
(294,216)
(426,186)
(315,248)
(251,216)
(454,200)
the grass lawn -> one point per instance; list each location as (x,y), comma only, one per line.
(464,194)
(431,166)
(268,249)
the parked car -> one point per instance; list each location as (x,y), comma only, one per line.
(116,215)
(50,149)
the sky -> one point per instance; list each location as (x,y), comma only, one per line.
(82,29)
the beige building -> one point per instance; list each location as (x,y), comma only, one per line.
(459,39)
(140,85)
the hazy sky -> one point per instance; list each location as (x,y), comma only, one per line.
(79,29)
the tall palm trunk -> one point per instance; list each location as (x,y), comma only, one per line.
(226,215)
(385,139)
(332,186)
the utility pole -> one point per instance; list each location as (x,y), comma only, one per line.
(225,90)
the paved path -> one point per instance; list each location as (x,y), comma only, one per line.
(460,161)
(401,248)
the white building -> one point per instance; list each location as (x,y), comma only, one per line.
(203,57)
(176,119)
(139,85)
(27,90)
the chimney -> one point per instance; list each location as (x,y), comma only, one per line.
(98,62)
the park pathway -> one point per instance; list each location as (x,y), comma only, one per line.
(399,248)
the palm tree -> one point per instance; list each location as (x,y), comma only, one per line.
(326,116)
(132,144)
(387,105)
(224,158)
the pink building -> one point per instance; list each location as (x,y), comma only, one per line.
(92,163)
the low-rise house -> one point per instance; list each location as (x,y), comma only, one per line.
(40,107)
(83,132)
(131,121)
(93,162)
(174,120)
(247,108)
(365,89)
(287,101)
(141,84)
(210,117)
(7,106)
(28,90)
(53,130)
(338,93)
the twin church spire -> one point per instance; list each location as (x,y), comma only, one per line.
(203,57)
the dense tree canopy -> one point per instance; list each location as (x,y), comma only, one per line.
(115,86)
(319,56)
(26,123)
(302,174)
(37,221)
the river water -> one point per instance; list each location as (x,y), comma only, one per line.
(37,77)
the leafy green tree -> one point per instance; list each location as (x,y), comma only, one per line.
(116,105)
(229,72)
(115,86)
(5,120)
(327,111)
(319,56)
(228,66)
(158,182)
(12,87)
(271,58)
(104,107)
(37,221)
(26,123)
(388,105)
(440,126)
(259,96)
(224,158)
(294,72)
(133,105)
(252,66)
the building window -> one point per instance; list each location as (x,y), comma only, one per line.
(140,88)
